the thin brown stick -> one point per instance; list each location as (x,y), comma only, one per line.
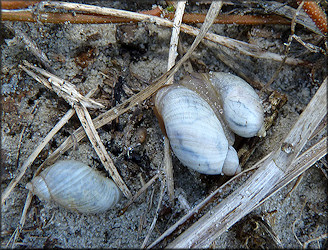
(234,19)
(190,18)
(17,4)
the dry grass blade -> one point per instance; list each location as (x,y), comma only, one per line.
(28,162)
(143,189)
(79,102)
(300,165)
(242,47)
(60,86)
(152,226)
(31,46)
(71,95)
(99,147)
(257,187)
(168,168)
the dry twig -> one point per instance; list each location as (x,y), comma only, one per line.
(99,147)
(168,168)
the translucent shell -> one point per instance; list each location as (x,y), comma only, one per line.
(75,186)
(196,135)
(199,114)
(242,107)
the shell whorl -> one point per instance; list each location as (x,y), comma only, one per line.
(39,187)
(77,187)
(189,121)
(199,115)
(242,107)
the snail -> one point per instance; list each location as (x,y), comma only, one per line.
(200,114)
(75,186)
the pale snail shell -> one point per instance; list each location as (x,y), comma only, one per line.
(75,186)
(192,116)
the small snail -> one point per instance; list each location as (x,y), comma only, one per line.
(198,115)
(75,186)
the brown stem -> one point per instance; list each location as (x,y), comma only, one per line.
(9,5)
(233,19)
(49,17)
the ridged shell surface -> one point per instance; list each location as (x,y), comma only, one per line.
(76,186)
(196,135)
(242,107)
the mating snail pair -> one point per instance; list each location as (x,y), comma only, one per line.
(198,115)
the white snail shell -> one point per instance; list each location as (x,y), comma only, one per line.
(191,115)
(75,186)
(242,107)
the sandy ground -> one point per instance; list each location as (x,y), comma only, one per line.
(122,60)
